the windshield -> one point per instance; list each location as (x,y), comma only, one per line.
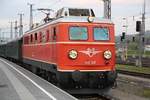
(101,34)
(78,33)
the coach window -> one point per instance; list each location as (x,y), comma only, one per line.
(101,34)
(54,33)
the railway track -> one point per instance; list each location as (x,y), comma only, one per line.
(142,75)
(95,97)
(132,61)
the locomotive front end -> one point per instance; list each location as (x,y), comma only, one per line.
(87,54)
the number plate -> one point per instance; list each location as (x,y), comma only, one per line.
(90,62)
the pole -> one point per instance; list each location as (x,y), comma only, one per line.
(0,35)
(16,30)
(143,18)
(3,37)
(142,32)
(11,30)
(31,16)
(126,42)
(21,25)
(107,9)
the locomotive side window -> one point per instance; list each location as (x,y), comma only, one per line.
(78,33)
(54,33)
(43,37)
(101,34)
(47,35)
(40,36)
(35,37)
(31,38)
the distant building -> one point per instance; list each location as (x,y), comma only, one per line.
(147,48)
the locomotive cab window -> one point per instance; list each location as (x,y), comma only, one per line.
(101,34)
(78,33)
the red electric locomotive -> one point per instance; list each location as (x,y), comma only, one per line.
(75,50)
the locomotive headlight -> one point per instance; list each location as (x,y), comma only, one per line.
(107,54)
(90,19)
(73,54)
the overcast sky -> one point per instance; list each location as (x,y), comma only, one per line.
(9,10)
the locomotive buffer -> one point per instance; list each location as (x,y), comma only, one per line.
(17,83)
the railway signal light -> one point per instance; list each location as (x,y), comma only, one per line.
(121,39)
(143,39)
(133,39)
(123,35)
(138,26)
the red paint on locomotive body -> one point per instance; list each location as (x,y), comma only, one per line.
(53,44)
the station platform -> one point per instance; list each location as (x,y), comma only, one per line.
(16,83)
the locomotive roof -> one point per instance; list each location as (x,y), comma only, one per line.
(67,11)
(77,19)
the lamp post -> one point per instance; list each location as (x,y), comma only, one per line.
(11,30)
(125,42)
(142,32)
(21,25)
(0,34)
(107,9)
(31,16)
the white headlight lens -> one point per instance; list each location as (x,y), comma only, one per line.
(107,54)
(73,54)
(90,19)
